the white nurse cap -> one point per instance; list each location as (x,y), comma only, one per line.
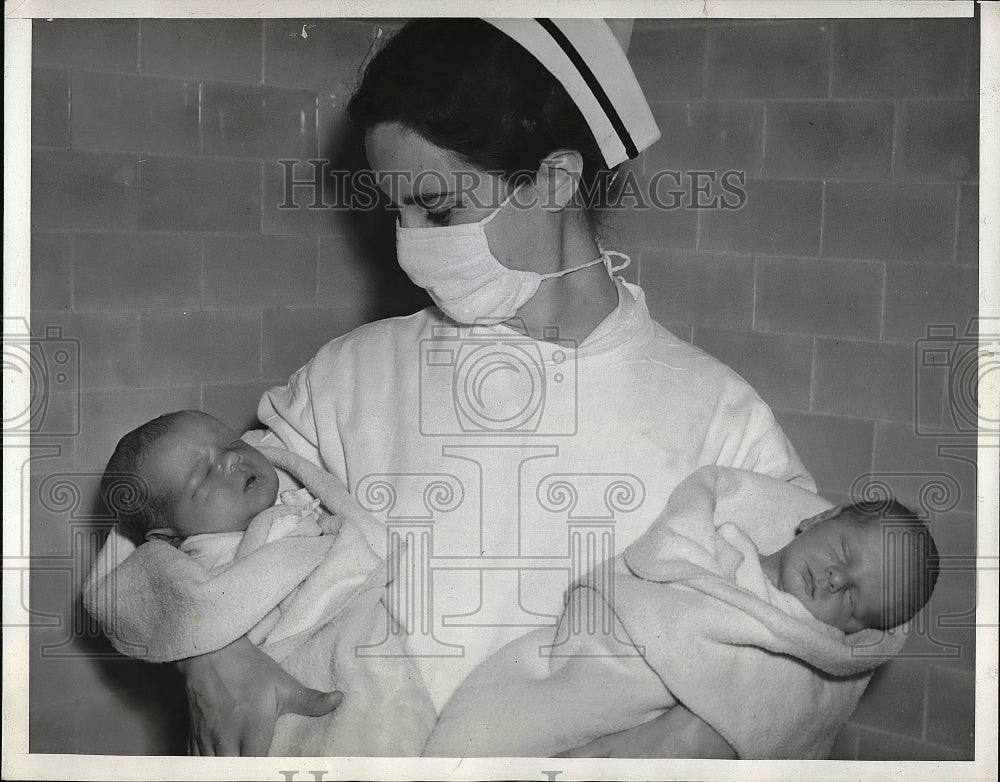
(586,58)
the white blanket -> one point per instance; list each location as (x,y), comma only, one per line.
(158,604)
(689,616)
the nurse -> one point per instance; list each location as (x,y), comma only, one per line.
(538,397)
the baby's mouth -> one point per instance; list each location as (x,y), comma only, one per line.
(249,482)
(810,583)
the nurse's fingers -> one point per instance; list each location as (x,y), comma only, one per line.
(293,697)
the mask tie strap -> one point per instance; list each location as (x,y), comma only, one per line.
(606,257)
(506,201)
(623,265)
(573,269)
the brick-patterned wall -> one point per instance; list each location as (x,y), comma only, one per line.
(859,140)
(158,245)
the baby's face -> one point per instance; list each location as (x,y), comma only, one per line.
(213,480)
(836,568)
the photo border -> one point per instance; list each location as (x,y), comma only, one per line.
(19,764)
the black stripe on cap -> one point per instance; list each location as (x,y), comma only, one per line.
(595,86)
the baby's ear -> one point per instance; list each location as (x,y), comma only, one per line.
(827,514)
(165,534)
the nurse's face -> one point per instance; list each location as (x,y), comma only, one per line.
(430,186)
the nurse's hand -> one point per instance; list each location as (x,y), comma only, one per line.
(678,733)
(235,696)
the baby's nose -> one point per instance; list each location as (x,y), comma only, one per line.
(231,461)
(834,578)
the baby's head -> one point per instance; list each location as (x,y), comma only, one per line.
(183,474)
(867,565)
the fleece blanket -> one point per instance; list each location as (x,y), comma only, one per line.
(308,602)
(685,615)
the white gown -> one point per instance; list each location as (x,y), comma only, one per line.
(515,465)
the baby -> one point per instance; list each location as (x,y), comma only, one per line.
(194,483)
(306,601)
(699,624)
(866,565)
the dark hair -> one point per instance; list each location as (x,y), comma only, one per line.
(124,490)
(921,563)
(467,88)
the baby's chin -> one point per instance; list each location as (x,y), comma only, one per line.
(265,491)
(270,492)
(836,625)
(262,496)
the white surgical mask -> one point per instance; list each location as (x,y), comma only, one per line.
(455,266)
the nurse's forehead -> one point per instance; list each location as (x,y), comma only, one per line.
(392,143)
(406,164)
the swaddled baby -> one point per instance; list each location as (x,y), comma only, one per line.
(194,484)
(201,486)
(771,650)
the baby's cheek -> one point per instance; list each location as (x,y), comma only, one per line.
(825,612)
(271,480)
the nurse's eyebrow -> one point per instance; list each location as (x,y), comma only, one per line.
(422,199)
